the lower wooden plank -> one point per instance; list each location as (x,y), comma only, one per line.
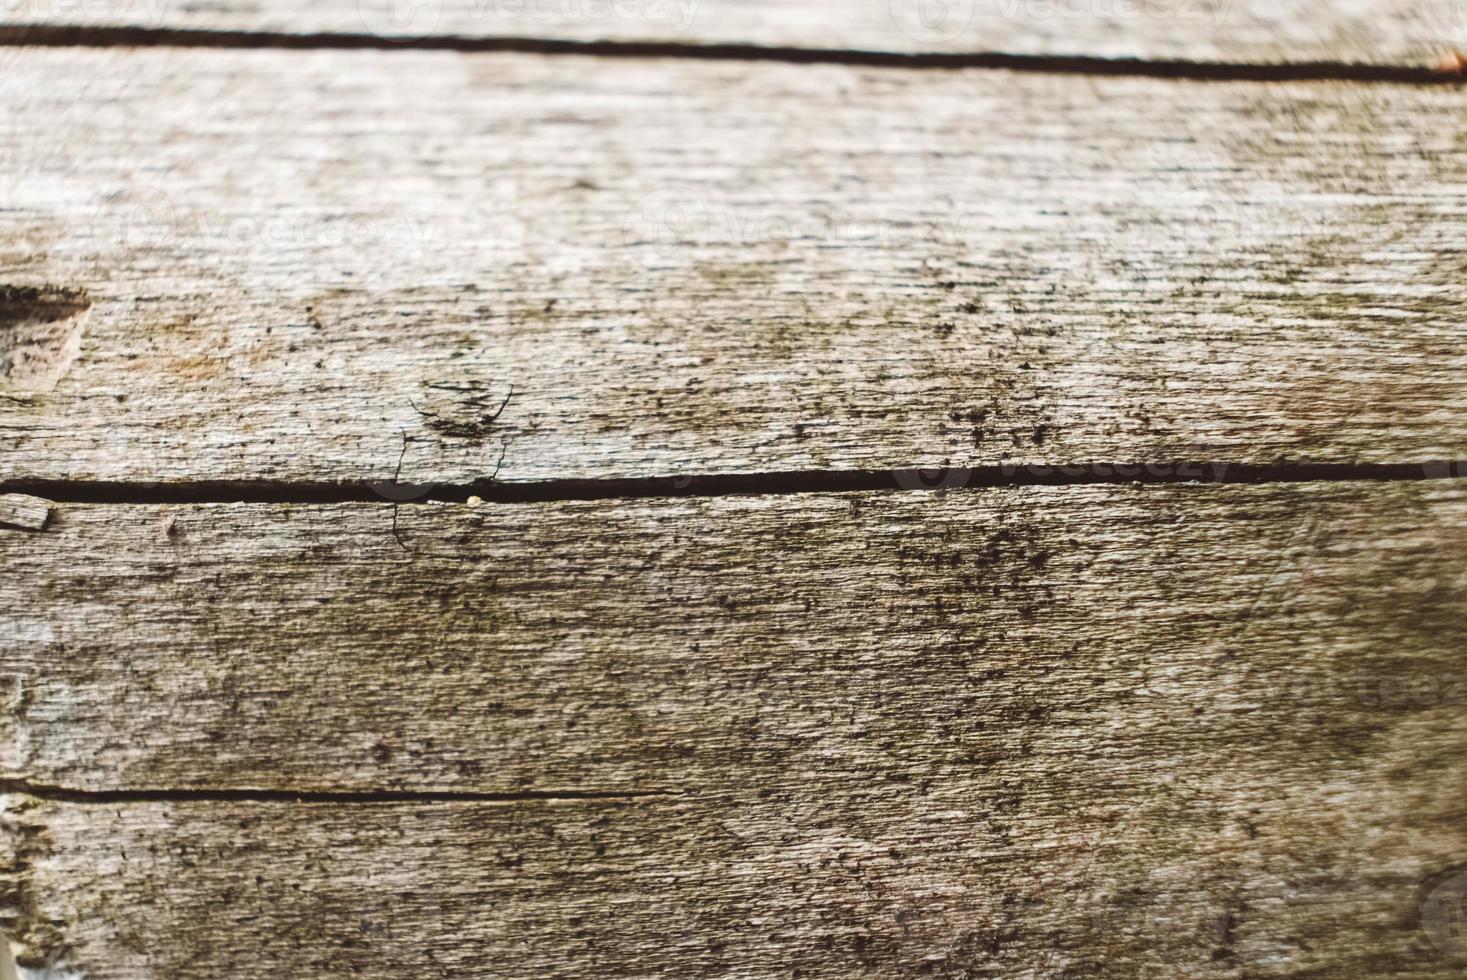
(1193,870)
(661,645)
(633,645)
(1117,731)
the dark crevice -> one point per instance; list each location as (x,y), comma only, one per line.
(100,36)
(720,485)
(63,794)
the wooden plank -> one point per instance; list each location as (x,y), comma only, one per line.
(1202,872)
(672,645)
(1415,32)
(300,268)
(962,755)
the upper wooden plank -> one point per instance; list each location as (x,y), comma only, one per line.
(1404,32)
(282,265)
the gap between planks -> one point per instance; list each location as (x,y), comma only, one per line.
(99,36)
(723,484)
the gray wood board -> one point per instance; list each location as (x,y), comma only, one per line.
(1113,731)
(282,265)
(733,642)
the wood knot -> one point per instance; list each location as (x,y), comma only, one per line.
(463,407)
(40,336)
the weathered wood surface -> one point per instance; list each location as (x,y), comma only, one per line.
(1022,732)
(22,511)
(1165,731)
(295,260)
(1415,32)
(1158,873)
(660,645)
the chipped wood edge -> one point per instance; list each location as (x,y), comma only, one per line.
(24,512)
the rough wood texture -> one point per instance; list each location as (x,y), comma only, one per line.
(662,645)
(296,260)
(1370,31)
(1108,731)
(18,510)
(1169,731)
(1188,873)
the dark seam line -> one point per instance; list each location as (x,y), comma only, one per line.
(102,36)
(722,485)
(63,794)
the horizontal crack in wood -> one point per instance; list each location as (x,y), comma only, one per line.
(55,35)
(65,794)
(725,484)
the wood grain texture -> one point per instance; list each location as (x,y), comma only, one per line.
(1165,731)
(661,645)
(1413,32)
(1196,875)
(297,260)
(27,513)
